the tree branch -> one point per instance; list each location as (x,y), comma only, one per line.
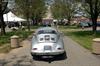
(5,7)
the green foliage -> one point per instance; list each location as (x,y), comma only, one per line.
(89,7)
(6,38)
(92,10)
(70,9)
(58,9)
(35,8)
(63,9)
(39,9)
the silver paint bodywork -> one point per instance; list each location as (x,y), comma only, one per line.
(47,41)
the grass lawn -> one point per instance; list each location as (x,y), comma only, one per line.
(5,39)
(68,27)
(82,37)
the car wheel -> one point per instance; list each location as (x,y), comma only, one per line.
(62,56)
(36,57)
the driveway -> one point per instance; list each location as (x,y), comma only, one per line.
(75,56)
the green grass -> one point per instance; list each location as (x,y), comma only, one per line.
(84,38)
(6,38)
(68,27)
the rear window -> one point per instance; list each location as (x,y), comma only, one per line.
(47,32)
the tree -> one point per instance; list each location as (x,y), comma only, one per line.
(57,9)
(22,7)
(30,9)
(70,9)
(64,9)
(38,10)
(3,7)
(92,7)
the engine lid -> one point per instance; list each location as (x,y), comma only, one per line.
(47,38)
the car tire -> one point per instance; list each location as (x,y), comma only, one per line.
(62,56)
(36,57)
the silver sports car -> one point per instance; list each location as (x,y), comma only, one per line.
(47,41)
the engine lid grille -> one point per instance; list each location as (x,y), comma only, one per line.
(47,38)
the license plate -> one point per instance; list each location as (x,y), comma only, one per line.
(47,47)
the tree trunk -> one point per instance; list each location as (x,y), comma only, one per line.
(94,28)
(27,14)
(28,24)
(94,14)
(28,21)
(1,20)
(69,21)
(2,24)
(34,21)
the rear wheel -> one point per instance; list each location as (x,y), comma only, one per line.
(36,57)
(62,56)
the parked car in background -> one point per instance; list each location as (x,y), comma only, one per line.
(13,24)
(83,24)
(90,23)
(98,23)
(47,41)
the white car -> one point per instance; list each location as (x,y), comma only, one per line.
(47,41)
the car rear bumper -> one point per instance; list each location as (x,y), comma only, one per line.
(48,53)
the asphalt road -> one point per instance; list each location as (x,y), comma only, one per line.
(75,56)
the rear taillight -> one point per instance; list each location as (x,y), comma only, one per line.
(34,48)
(59,48)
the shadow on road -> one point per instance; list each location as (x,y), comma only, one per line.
(50,59)
(96,55)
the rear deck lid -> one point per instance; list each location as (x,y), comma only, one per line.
(47,38)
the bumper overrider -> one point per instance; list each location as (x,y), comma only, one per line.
(48,53)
